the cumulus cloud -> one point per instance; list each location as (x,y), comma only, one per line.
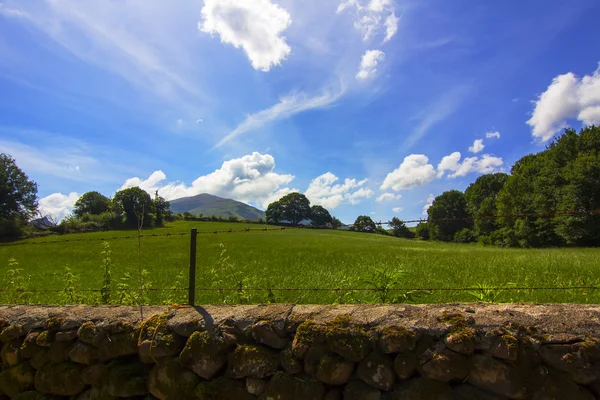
(484,165)
(397,209)
(369,62)
(373,17)
(324,191)
(250,179)
(256,26)
(477,146)
(428,203)
(490,135)
(414,171)
(57,205)
(388,197)
(567,97)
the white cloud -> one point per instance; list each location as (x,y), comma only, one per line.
(397,209)
(477,146)
(428,203)
(567,97)
(57,205)
(414,171)
(490,135)
(369,62)
(249,179)
(484,165)
(324,191)
(369,17)
(388,197)
(286,107)
(256,26)
(391,26)
(180,123)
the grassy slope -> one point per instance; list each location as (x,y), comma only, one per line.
(212,205)
(311,258)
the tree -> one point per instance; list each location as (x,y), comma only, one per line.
(295,208)
(91,203)
(481,198)
(364,223)
(450,205)
(135,205)
(18,198)
(274,213)
(336,223)
(162,210)
(319,216)
(399,228)
(422,231)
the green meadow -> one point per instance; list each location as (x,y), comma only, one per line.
(71,268)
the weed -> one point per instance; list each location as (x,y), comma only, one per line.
(71,293)
(488,293)
(105,290)
(17,283)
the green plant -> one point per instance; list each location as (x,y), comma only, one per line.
(226,269)
(345,294)
(17,283)
(105,290)
(174,290)
(383,280)
(129,295)
(70,293)
(488,293)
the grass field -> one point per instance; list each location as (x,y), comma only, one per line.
(296,258)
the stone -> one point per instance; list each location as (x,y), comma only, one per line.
(255,386)
(65,336)
(111,346)
(45,338)
(284,386)
(185,326)
(461,341)
(358,390)
(124,379)
(405,365)
(443,365)
(377,371)
(421,389)
(313,358)
(88,333)
(253,361)
(397,339)
(40,358)
(222,389)
(62,379)
(17,379)
(11,353)
(12,332)
(497,377)
(29,346)
(156,342)
(171,380)
(551,384)
(59,352)
(91,375)
(263,332)
(572,359)
(289,362)
(505,346)
(334,370)
(95,394)
(205,354)
(82,353)
(33,395)
(333,394)
(468,392)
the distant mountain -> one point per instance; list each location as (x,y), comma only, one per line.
(209,205)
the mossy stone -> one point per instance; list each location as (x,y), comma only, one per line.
(17,379)
(397,339)
(405,365)
(45,338)
(377,371)
(422,389)
(82,353)
(111,346)
(12,332)
(205,354)
(40,358)
(289,362)
(91,375)
(33,395)
(62,379)
(284,386)
(359,390)
(124,379)
(222,389)
(59,352)
(253,361)
(156,342)
(88,333)
(334,370)
(172,381)
(29,347)
(11,353)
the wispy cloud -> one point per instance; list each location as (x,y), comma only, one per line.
(287,106)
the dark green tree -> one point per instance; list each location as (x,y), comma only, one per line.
(135,206)
(18,198)
(481,198)
(274,213)
(335,223)
(422,231)
(161,207)
(445,215)
(364,223)
(295,208)
(91,203)
(399,228)
(319,216)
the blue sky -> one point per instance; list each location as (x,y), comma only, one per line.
(367,106)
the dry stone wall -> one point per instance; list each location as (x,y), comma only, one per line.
(280,352)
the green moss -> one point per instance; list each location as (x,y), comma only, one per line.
(398,332)
(54,323)
(87,332)
(222,389)
(460,329)
(45,339)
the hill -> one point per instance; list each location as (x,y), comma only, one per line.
(209,205)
